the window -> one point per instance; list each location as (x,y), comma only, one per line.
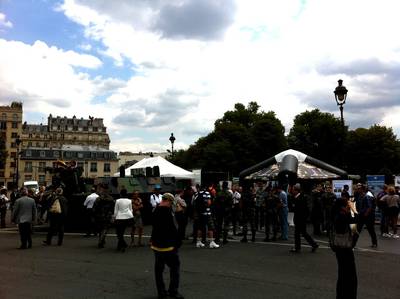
(107,167)
(95,129)
(68,154)
(37,144)
(4,116)
(14,125)
(13,145)
(28,153)
(42,166)
(56,154)
(28,177)
(93,167)
(29,143)
(45,145)
(80,165)
(12,164)
(42,179)
(42,154)
(3,125)
(28,166)
(80,155)
(13,154)
(15,116)
(14,135)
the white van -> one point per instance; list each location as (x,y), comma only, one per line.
(32,185)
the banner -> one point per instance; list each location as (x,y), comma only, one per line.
(397,181)
(337,187)
(375,183)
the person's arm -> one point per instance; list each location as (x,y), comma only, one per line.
(86,201)
(34,212)
(116,208)
(153,201)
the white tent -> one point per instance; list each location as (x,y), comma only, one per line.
(167,169)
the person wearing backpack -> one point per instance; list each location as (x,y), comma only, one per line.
(57,212)
(342,241)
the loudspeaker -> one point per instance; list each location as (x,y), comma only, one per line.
(156,171)
(122,171)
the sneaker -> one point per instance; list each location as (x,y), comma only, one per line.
(396,236)
(213,245)
(200,244)
(294,250)
(176,295)
(385,235)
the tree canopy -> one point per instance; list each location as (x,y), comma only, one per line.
(245,136)
(241,138)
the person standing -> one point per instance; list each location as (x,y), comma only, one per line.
(237,193)
(271,205)
(103,209)
(3,207)
(57,214)
(367,215)
(301,213)
(283,212)
(123,218)
(341,219)
(247,205)
(24,214)
(179,207)
(223,204)
(137,225)
(392,201)
(88,204)
(165,244)
(155,198)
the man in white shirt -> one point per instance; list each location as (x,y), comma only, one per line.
(89,212)
(155,198)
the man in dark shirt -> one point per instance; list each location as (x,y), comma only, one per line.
(301,213)
(165,243)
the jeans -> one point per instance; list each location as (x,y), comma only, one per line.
(283,217)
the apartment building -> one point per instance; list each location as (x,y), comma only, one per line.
(10,130)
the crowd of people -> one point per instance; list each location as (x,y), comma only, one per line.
(216,213)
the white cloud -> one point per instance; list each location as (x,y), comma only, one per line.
(286,55)
(4,22)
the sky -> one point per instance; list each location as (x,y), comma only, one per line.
(152,67)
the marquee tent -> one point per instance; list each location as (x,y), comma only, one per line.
(167,169)
(292,164)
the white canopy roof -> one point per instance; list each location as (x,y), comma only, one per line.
(167,169)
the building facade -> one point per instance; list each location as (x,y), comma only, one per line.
(10,130)
(31,148)
(94,161)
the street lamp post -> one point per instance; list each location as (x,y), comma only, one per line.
(172,139)
(340,96)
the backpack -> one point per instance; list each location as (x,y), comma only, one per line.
(55,207)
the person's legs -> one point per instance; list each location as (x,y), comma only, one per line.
(29,234)
(60,230)
(297,241)
(284,224)
(174,265)
(22,234)
(159,265)
(52,228)
(346,286)
(371,230)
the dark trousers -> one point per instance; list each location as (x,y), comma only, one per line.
(271,222)
(3,213)
(171,259)
(102,229)
(120,227)
(25,233)
(56,226)
(369,222)
(182,221)
(90,223)
(300,229)
(346,286)
(259,217)
(219,220)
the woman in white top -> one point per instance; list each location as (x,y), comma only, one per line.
(123,217)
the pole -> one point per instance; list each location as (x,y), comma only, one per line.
(341,115)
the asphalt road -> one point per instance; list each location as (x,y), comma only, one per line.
(79,269)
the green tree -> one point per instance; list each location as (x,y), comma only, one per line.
(373,151)
(241,138)
(319,135)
